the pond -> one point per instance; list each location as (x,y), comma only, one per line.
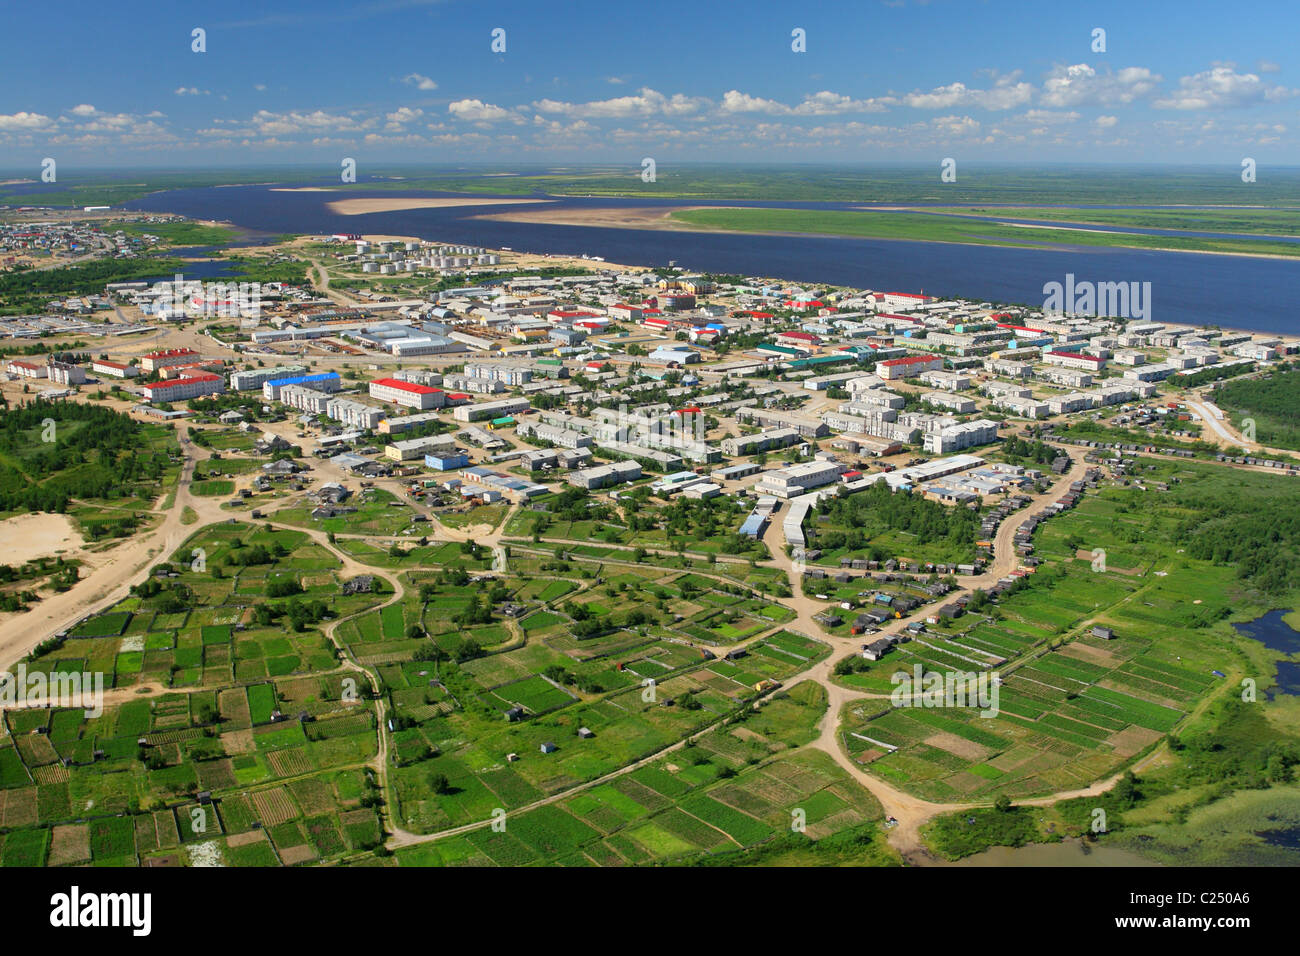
(1065,853)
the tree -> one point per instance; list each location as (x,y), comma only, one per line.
(1002,804)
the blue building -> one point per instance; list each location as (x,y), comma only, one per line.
(446,461)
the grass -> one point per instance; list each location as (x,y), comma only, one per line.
(938,227)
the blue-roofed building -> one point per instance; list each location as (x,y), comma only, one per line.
(753,526)
(446,461)
(320,382)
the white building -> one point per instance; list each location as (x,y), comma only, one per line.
(797,479)
(407,394)
(181,389)
(981,431)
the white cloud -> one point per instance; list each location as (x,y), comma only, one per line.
(419,81)
(646,102)
(1005,94)
(955,125)
(190,91)
(1049,117)
(476,111)
(1221,87)
(734,101)
(1105,122)
(404,115)
(25,121)
(271,124)
(1081,84)
(85,109)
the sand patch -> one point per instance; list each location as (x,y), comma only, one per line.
(966,749)
(1131,740)
(244,839)
(359,207)
(34,535)
(70,844)
(613,217)
(297,854)
(1085,652)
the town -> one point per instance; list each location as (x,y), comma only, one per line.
(430,507)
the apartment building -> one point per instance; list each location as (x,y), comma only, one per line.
(320,382)
(407,394)
(957,404)
(560,437)
(411,448)
(181,389)
(603,476)
(1067,377)
(158,360)
(946,381)
(354,414)
(304,398)
(908,367)
(951,438)
(65,373)
(474,384)
(509,375)
(490,410)
(772,418)
(797,479)
(1024,407)
(763,441)
(248,379)
(113,369)
(1090,363)
(27,369)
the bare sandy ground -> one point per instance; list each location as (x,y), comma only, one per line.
(31,536)
(655,217)
(359,207)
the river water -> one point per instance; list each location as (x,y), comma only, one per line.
(1197,288)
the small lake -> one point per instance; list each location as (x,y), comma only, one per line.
(1065,853)
(1272,631)
(1276,634)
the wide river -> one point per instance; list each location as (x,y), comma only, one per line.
(1197,288)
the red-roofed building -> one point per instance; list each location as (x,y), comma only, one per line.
(908,367)
(180,389)
(801,339)
(1075,360)
(625,312)
(156,360)
(905,299)
(568,315)
(27,369)
(408,394)
(457,398)
(114,369)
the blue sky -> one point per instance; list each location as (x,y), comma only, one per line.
(389,81)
